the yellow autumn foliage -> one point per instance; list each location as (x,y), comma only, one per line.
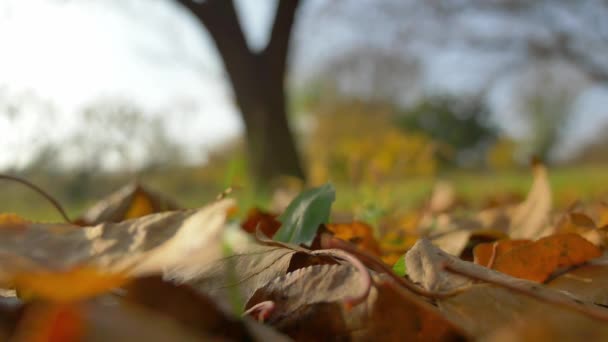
(358,143)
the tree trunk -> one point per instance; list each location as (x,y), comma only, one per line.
(257,80)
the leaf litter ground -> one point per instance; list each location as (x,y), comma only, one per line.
(137,266)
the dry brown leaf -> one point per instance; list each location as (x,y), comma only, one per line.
(482,308)
(131,201)
(194,310)
(588,282)
(246,270)
(256,219)
(455,242)
(307,286)
(546,324)
(358,233)
(425,266)
(442,198)
(308,305)
(487,311)
(485,254)
(536,261)
(530,218)
(52,323)
(12,221)
(175,243)
(72,285)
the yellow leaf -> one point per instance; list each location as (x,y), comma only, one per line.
(12,221)
(141,205)
(76,284)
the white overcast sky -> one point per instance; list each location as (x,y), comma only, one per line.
(73,52)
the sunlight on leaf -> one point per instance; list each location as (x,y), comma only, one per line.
(537,260)
(358,233)
(76,284)
(141,205)
(12,221)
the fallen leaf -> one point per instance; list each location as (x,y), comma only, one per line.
(482,308)
(52,323)
(536,261)
(174,243)
(131,201)
(358,233)
(259,219)
(252,269)
(309,285)
(425,266)
(72,285)
(544,323)
(588,282)
(12,221)
(185,305)
(485,254)
(530,218)
(454,242)
(308,305)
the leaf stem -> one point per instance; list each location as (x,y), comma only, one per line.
(41,192)
(366,279)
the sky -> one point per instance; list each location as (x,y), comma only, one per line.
(75,52)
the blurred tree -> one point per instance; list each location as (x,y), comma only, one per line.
(545,94)
(257,80)
(479,55)
(370,73)
(461,126)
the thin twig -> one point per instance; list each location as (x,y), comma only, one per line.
(539,292)
(41,192)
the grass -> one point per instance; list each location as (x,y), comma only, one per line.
(191,189)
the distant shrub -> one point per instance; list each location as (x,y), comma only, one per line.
(358,142)
(461,125)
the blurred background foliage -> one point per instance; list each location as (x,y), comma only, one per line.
(368,115)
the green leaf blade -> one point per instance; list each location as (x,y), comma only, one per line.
(400,268)
(304,214)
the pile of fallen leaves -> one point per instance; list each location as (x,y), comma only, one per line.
(135,267)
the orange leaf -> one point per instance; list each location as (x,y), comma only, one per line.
(486,253)
(12,221)
(76,284)
(358,233)
(51,323)
(536,261)
(265,221)
(141,205)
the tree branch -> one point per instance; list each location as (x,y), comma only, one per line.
(278,44)
(221,21)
